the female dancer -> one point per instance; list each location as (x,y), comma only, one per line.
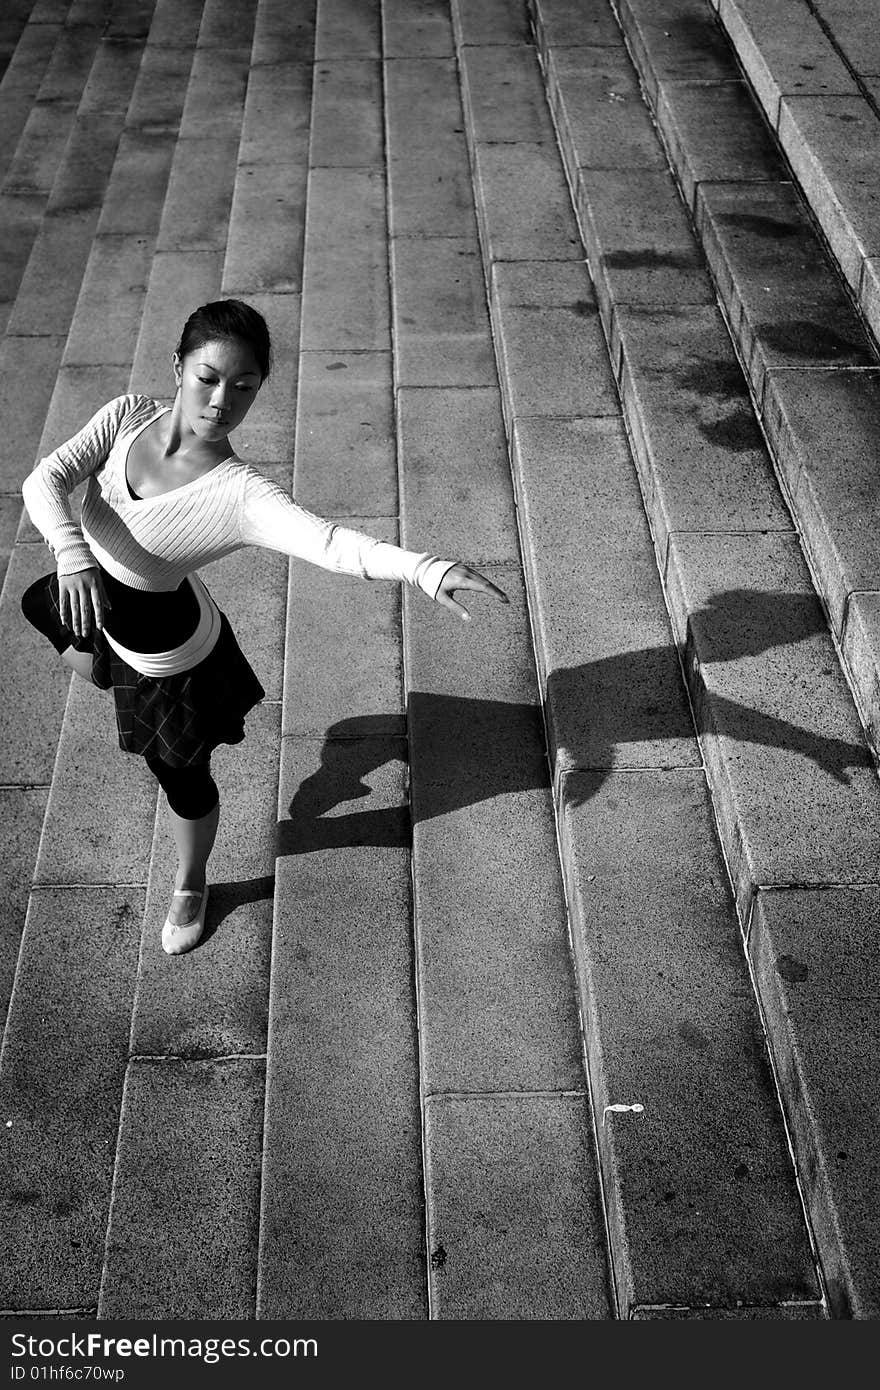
(126,609)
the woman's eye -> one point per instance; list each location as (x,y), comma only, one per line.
(207,380)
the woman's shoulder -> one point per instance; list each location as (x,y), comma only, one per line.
(126,412)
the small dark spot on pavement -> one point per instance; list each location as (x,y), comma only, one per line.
(438,1257)
(337,366)
(790,969)
(584,308)
(741,1172)
(694,1036)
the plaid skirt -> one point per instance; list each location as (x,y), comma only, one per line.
(179,719)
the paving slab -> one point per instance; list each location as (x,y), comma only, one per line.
(274,199)
(442,335)
(102,806)
(33,682)
(701,1197)
(275,127)
(135,194)
(515,1221)
(21,821)
(599,112)
(457,496)
(701,458)
(416,29)
(175,23)
(20,217)
(217,88)
(675,41)
(794,785)
(567,23)
(107,317)
(343,658)
(346,461)
(840,133)
(348,29)
(523,203)
(503,93)
(815,960)
(785,51)
(552,354)
(713,133)
(10,520)
(27,377)
(159,91)
(214,1001)
(61,1078)
(40,148)
(182,1238)
(50,285)
(491,22)
(112,77)
(861,650)
(221,27)
(497,1006)
(347,114)
(345,281)
(284,31)
(429,180)
(72,59)
(784,298)
(639,241)
(827,459)
(342,1197)
(199,195)
(609,667)
(854,33)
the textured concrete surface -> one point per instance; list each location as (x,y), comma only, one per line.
(710,135)
(515,1223)
(702,461)
(390,928)
(497,1004)
(639,241)
(611,680)
(828,459)
(551,348)
(796,794)
(815,956)
(188,1161)
(342,1197)
(702,1203)
(61,1074)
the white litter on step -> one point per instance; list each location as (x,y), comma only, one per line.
(621,1108)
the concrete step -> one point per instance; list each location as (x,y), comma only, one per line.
(809,361)
(814,74)
(98,829)
(648,922)
(793,785)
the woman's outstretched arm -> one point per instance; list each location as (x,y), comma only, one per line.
(271,518)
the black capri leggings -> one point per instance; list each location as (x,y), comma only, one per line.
(191,791)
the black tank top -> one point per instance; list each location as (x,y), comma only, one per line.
(147,621)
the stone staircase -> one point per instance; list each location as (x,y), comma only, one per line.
(540,978)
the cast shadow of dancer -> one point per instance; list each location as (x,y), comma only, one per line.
(472,750)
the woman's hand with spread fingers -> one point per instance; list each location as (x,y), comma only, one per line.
(463,577)
(82,601)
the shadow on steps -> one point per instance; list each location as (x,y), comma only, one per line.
(464,751)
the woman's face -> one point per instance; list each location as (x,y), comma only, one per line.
(218,384)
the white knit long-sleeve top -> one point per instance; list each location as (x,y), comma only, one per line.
(153,543)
